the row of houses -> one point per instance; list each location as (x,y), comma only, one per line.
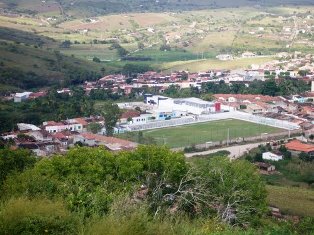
(289,66)
(245,55)
(57,137)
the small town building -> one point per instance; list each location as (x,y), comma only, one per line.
(27,127)
(19,97)
(265,167)
(168,107)
(111,143)
(296,147)
(71,125)
(224,57)
(248,54)
(272,156)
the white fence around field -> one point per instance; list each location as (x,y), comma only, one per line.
(214,117)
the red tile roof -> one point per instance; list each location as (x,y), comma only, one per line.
(111,142)
(262,98)
(130,114)
(53,123)
(37,95)
(59,135)
(297,145)
(81,121)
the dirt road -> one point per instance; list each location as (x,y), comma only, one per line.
(235,151)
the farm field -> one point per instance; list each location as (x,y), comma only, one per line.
(190,35)
(188,135)
(295,201)
(161,40)
(203,65)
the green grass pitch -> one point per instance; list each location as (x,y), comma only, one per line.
(188,135)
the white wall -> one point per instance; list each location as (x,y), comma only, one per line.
(271,156)
(72,127)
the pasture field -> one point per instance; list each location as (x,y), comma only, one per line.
(187,135)
(121,21)
(192,35)
(88,51)
(214,41)
(292,200)
(166,56)
(204,65)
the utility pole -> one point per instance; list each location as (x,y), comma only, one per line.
(228,137)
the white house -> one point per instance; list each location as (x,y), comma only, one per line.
(224,57)
(41,135)
(54,127)
(27,127)
(271,156)
(19,97)
(195,106)
(248,55)
(142,119)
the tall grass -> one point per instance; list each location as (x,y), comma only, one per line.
(38,216)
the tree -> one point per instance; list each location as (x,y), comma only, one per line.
(140,45)
(14,161)
(184,76)
(103,70)
(286,154)
(111,114)
(66,44)
(306,157)
(94,127)
(96,59)
(208,97)
(38,216)
(236,190)
(173,90)
(303,73)
(165,47)
(137,108)
(132,68)
(270,88)
(231,191)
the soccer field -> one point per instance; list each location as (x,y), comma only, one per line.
(200,133)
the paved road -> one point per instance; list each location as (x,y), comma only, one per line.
(235,151)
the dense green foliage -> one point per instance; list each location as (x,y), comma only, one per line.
(98,7)
(269,87)
(41,216)
(148,191)
(111,113)
(54,106)
(14,161)
(48,68)
(88,179)
(293,170)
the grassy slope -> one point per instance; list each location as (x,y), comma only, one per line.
(187,135)
(204,65)
(85,7)
(295,201)
(216,31)
(26,57)
(19,51)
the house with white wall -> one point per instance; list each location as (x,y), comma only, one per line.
(19,97)
(272,156)
(168,107)
(55,127)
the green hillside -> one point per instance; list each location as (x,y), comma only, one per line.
(30,61)
(100,7)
